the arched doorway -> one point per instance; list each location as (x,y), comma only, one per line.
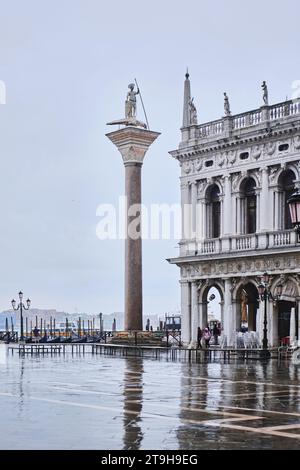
(211,301)
(247,306)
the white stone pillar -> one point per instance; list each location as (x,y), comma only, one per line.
(270,324)
(227,216)
(199,221)
(265,216)
(195,314)
(299,323)
(193,209)
(185,313)
(275,340)
(227,309)
(260,326)
(293,327)
(185,211)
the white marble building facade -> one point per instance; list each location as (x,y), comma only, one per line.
(236,176)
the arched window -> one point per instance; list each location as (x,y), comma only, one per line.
(213,212)
(249,206)
(286,188)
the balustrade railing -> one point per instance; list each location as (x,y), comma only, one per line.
(251,118)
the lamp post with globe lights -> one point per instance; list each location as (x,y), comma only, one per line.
(265,295)
(20,307)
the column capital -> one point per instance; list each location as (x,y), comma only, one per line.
(132,142)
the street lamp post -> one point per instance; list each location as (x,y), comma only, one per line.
(265,295)
(20,307)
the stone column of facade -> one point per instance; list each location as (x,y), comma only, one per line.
(199,221)
(227,309)
(260,326)
(133,143)
(270,323)
(185,211)
(185,313)
(298,303)
(193,208)
(226,214)
(194,313)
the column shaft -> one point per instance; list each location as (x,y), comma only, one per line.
(133,249)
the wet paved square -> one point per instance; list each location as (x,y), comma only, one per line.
(102,402)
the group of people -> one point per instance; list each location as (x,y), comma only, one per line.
(204,336)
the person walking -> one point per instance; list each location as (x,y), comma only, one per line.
(207,337)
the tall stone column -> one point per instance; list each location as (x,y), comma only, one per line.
(227,310)
(195,313)
(185,312)
(194,208)
(133,143)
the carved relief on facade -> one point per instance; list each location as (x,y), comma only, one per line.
(201,188)
(246,267)
(198,164)
(231,157)
(273,174)
(187,167)
(220,158)
(257,176)
(235,181)
(270,148)
(297,142)
(256,151)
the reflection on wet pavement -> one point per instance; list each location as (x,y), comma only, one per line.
(76,402)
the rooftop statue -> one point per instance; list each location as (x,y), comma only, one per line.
(130,110)
(193,112)
(226,105)
(265,93)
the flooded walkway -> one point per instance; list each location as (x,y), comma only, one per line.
(102,402)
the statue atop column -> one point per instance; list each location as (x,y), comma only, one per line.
(265,93)
(193,112)
(226,105)
(130,110)
(130,103)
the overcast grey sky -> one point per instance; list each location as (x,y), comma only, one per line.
(66,65)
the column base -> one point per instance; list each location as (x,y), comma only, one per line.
(264,354)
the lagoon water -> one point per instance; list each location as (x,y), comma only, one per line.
(102,402)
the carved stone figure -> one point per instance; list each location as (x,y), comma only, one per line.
(297,142)
(226,105)
(244,300)
(193,112)
(231,156)
(198,164)
(220,159)
(265,93)
(130,110)
(271,147)
(130,103)
(256,152)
